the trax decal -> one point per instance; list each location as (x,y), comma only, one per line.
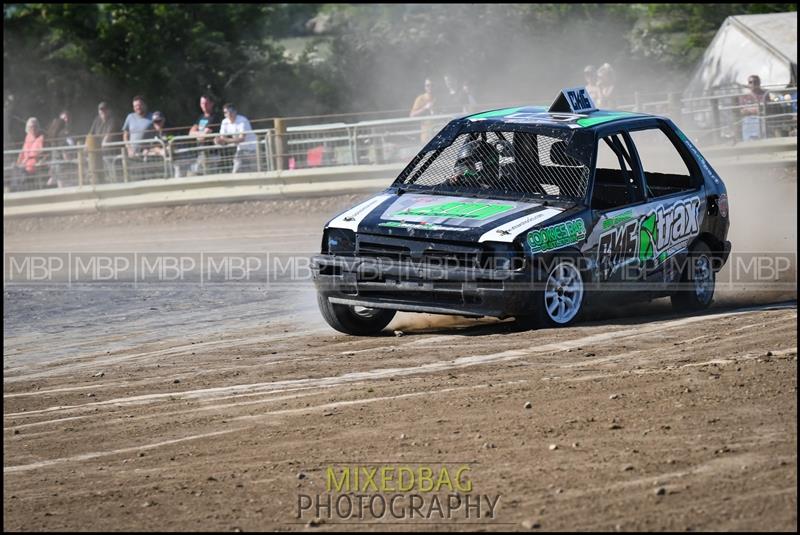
(657,235)
(507,232)
(351,218)
(557,236)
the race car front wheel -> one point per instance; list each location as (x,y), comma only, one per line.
(355,320)
(698,280)
(560,299)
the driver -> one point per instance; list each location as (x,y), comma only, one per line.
(477,164)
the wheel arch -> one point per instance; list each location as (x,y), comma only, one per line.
(716,246)
(541,261)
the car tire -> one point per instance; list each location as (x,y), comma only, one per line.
(560,296)
(697,282)
(357,321)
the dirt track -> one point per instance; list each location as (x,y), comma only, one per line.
(188,408)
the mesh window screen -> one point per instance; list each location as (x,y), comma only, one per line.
(507,162)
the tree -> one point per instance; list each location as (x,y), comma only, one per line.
(676,35)
(73,55)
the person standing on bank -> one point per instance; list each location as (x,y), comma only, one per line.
(203,131)
(136,127)
(236,131)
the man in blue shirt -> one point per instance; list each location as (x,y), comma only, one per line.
(136,127)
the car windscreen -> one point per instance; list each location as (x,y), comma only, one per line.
(504,163)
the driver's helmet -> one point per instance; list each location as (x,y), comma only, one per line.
(476,159)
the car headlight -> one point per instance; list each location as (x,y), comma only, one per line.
(339,241)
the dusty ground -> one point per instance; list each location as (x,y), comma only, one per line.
(180,407)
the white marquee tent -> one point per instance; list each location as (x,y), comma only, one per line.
(765,45)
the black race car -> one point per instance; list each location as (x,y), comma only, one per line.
(528,212)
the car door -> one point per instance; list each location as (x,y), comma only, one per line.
(617,199)
(675,203)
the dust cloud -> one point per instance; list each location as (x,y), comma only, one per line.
(432,322)
(763,234)
(504,61)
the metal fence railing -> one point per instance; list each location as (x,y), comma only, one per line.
(295,147)
(708,120)
(719,117)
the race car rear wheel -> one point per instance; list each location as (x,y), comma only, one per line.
(559,302)
(355,320)
(697,281)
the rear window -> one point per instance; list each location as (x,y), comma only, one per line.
(519,164)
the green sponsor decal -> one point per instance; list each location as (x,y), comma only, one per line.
(495,113)
(603,118)
(648,236)
(464,210)
(557,236)
(617,219)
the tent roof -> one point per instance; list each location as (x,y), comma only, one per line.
(778,31)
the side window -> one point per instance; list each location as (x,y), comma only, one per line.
(665,172)
(615,183)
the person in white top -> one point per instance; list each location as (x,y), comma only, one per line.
(236,130)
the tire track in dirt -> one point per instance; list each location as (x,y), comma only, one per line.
(383,373)
(212,397)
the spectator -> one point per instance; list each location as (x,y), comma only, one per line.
(30,160)
(752,106)
(606,94)
(590,82)
(235,131)
(104,127)
(159,137)
(136,127)
(423,105)
(59,135)
(202,131)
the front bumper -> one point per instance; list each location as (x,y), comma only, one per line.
(417,287)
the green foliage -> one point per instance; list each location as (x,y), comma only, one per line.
(74,55)
(676,35)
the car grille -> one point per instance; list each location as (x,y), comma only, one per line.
(419,251)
